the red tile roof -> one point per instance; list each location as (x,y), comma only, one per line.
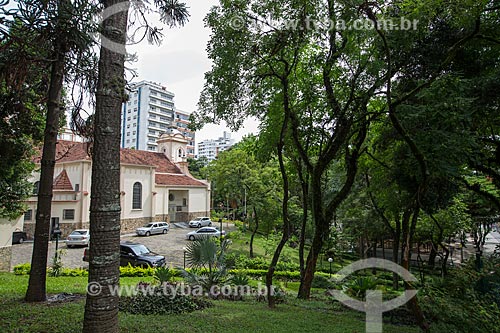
(178,180)
(141,157)
(62,182)
(69,151)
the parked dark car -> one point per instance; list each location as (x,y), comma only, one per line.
(18,237)
(135,254)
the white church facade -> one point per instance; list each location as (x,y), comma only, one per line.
(154,186)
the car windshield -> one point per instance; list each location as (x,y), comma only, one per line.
(149,225)
(140,249)
(197,219)
(79,232)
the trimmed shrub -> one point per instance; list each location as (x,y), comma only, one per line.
(161,303)
(22,269)
(136,271)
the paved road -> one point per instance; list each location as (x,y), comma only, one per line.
(170,245)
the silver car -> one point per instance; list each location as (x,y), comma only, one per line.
(200,222)
(153,228)
(205,232)
(78,237)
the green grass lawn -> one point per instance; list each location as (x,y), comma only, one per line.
(224,316)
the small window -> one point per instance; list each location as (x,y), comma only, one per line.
(184,202)
(28,215)
(68,214)
(77,187)
(137,196)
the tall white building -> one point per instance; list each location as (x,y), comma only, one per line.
(150,112)
(212,147)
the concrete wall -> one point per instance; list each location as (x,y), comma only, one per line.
(7,227)
(199,201)
(5,258)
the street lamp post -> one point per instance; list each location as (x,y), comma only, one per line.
(184,251)
(330,260)
(56,233)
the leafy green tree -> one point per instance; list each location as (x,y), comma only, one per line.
(318,89)
(60,42)
(240,176)
(21,116)
(197,167)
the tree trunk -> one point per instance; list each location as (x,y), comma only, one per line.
(286,224)
(305,209)
(312,259)
(101,310)
(408,230)
(36,286)
(254,231)
(270,272)
(432,256)
(395,252)
(444,264)
(383,248)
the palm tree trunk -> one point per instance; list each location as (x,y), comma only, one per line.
(101,310)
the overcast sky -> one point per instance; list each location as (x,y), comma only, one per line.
(180,62)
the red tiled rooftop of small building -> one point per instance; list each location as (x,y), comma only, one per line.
(68,151)
(62,182)
(177,180)
(141,157)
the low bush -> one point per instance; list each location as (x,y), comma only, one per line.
(22,269)
(321,281)
(136,271)
(241,261)
(161,303)
(240,279)
(462,302)
(129,271)
(164,274)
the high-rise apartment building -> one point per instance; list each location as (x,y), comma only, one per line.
(212,147)
(150,112)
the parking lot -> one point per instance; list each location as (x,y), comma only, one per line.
(170,245)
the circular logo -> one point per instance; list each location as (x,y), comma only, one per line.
(94,288)
(374,305)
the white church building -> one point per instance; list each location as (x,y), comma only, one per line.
(154,186)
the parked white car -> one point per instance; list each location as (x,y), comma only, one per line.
(79,237)
(204,232)
(153,228)
(200,222)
